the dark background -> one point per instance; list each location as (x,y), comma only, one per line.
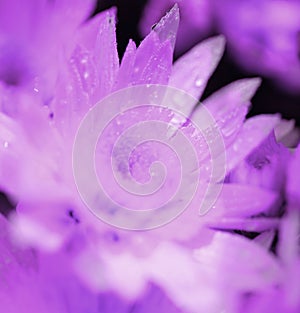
(268,99)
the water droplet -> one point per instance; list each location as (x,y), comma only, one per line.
(84,60)
(235,147)
(198,82)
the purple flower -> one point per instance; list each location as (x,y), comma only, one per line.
(88,75)
(75,254)
(269,46)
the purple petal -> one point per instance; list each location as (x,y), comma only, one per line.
(264,167)
(253,133)
(265,239)
(242,201)
(158,67)
(293,182)
(284,128)
(74,11)
(127,66)
(106,55)
(192,71)
(155,54)
(195,20)
(184,278)
(247,224)
(288,250)
(232,256)
(167,27)
(87,34)
(235,94)
(268,45)
(229,107)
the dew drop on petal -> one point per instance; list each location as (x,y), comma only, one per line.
(198,82)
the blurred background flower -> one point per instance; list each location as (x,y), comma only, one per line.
(263,37)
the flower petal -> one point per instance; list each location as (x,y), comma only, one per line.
(253,133)
(235,94)
(232,255)
(265,239)
(243,201)
(293,182)
(167,27)
(265,167)
(192,71)
(228,107)
(154,56)
(126,67)
(247,224)
(106,55)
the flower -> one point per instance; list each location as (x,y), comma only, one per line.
(270,46)
(86,79)
(116,267)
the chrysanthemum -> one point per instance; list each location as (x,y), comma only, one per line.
(184,264)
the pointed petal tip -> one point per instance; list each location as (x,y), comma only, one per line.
(112,10)
(131,44)
(111,13)
(219,40)
(256,81)
(167,27)
(217,44)
(252,85)
(248,87)
(174,11)
(172,16)
(192,70)
(175,8)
